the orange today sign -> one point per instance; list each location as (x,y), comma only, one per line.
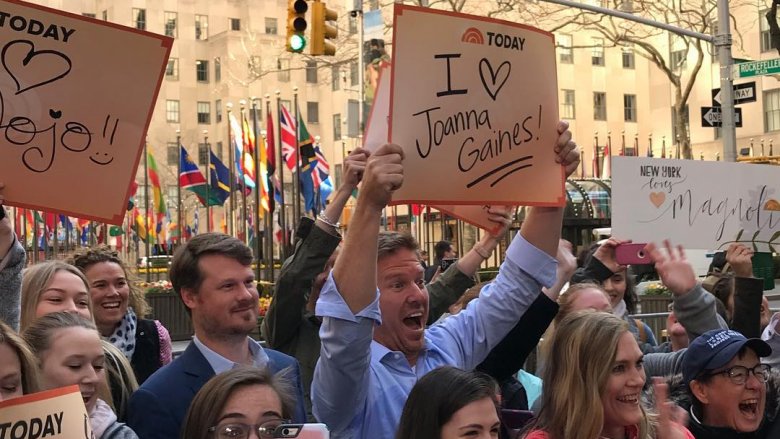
(474,105)
(76,99)
(58,413)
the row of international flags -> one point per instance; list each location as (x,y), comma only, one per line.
(313,179)
(601,164)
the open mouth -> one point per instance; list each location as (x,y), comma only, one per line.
(749,408)
(110,305)
(414,321)
(629,399)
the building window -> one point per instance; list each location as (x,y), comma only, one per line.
(217,70)
(772,110)
(172,70)
(599,106)
(678,58)
(565,52)
(271,26)
(172,198)
(173,153)
(311,72)
(201,27)
(629,61)
(139,18)
(171,29)
(88,14)
(235,24)
(373,5)
(766,38)
(172,110)
(626,6)
(354,74)
(629,108)
(204,112)
(202,70)
(313,112)
(597,52)
(353,25)
(104,15)
(335,72)
(283,65)
(218,110)
(220,152)
(337,126)
(203,155)
(567,104)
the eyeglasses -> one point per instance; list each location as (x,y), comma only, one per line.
(739,374)
(238,430)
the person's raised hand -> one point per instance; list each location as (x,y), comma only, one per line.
(740,258)
(501,215)
(354,166)
(671,418)
(566,151)
(383,175)
(606,254)
(567,262)
(673,268)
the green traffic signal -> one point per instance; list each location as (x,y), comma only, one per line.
(297,43)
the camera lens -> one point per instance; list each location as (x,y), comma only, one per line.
(286,431)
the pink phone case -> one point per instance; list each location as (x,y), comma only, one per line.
(302,431)
(632,254)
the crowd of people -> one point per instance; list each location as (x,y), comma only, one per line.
(365,337)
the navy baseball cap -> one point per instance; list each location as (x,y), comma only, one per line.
(714,349)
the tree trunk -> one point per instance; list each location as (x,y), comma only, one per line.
(681,129)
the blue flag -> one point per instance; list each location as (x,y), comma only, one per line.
(219,179)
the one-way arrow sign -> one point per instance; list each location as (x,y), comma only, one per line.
(743,93)
(711,117)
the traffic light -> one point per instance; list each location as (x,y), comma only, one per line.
(296,25)
(321,30)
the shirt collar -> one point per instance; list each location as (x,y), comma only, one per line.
(221,364)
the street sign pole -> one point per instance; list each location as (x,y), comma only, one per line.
(722,41)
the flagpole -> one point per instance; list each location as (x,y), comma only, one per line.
(55,238)
(178,187)
(231,168)
(623,143)
(258,183)
(269,222)
(297,181)
(208,185)
(35,237)
(280,164)
(146,208)
(243,175)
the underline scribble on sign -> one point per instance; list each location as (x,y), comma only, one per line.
(30,69)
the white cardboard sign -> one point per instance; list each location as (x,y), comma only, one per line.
(698,204)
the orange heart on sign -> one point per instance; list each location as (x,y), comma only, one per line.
(657,198)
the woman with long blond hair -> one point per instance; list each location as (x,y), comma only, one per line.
(594,382)
(18,367)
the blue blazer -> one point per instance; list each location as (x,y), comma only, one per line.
(158,408)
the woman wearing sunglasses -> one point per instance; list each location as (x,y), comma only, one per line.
(242,403)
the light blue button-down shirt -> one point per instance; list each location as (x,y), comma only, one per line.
(221,364)
(360,386)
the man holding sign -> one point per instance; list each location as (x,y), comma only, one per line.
(365,373)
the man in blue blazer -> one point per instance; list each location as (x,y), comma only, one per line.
(214,277)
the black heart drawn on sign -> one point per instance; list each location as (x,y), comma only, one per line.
(55,114)
(495,86)
(48,67)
